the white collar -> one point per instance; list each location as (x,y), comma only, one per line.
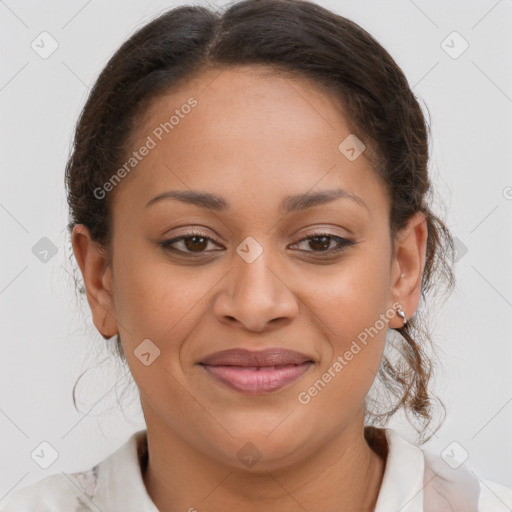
(401,487)
(402,484)
(120,479)
(414,480)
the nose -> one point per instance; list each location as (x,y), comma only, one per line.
(255,297)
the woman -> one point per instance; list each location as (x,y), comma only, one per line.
(248,199)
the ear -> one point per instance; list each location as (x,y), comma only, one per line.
(97,275)
(409,259)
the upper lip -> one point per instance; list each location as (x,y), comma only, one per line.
(245,357)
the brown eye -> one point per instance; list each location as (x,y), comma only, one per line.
(320,243)
(196,243)
(189,243)
(325,243)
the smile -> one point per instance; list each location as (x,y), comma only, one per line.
(257,379)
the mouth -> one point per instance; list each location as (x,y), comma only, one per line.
(256,372)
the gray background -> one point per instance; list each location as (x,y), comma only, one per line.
(48,338)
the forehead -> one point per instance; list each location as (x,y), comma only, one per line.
(246,96)
(251,133)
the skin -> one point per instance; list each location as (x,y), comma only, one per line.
(253,139)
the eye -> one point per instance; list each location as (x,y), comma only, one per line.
(322,243)
(191,243)
(197,243)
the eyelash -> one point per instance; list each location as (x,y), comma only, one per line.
(342,243)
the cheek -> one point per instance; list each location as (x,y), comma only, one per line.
(353,313)
(358,324)
(155,299)
(351,296)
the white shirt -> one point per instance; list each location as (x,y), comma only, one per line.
(414,481)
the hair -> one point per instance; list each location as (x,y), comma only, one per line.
(300,39)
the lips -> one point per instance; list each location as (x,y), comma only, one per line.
(256,372)
(244,357)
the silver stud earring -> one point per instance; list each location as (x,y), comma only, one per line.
(401,314)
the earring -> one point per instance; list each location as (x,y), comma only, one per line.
(401,314)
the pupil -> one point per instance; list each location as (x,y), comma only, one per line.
(324,242)
(195,242)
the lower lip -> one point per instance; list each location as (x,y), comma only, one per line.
(257,380)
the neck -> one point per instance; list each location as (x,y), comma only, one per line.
(345,474)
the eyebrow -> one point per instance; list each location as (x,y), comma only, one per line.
(288,204)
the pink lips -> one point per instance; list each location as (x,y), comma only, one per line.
(256,372)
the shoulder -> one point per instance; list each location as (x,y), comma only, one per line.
(54,493)
(494,497)
(453,482)
(114,483)
(437,482)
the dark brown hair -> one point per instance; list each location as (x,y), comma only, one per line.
(307,41)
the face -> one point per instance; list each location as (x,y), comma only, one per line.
(254,265)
